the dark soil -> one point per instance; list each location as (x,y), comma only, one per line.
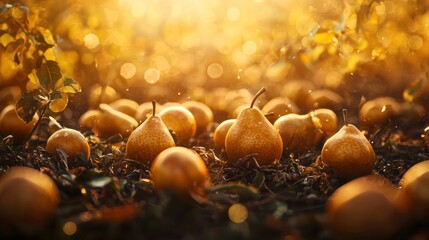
(110,197)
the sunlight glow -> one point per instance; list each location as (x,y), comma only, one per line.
(128,70)
(91,41)
(152,75)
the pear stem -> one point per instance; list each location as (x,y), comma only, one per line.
(345,118)
(153,107)
(257,95)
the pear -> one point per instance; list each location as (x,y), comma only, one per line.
(11,124)
(299,133)
(111,122)
(279,106)
(149,139)
(252,133)
(181,121)
(348,152)
(364,208)
(220,132)
(202,113)
(324,98)
(378,111)
(182,170)
(328,121)
(100,94)
(126,106)
(28,200)
(145,110)
(71,141)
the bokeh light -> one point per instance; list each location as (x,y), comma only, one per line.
(215,70)
(91,41)
(70,228)
(128,70)
(237,213)
(152,75)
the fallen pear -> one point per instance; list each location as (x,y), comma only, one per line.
(252,133)
(220,132)
(11,124)
(348,152)
(181,121)
(126,106)
(149,139)
(299,133)
(202,113)
(111,122)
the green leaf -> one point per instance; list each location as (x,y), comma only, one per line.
(67,85)
(242,190)
(29,103)
(59,101)
(259,180)
(48,74)
(93,178)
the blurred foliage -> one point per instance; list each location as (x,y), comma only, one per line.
(367,47)
(26,51)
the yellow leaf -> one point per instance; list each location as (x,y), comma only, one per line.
(58,105)
(324,38)
(5,39)
(50,55)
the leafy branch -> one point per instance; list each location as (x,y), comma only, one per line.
(29,47)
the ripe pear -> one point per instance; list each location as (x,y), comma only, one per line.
(364,208)
(324,98)
(145,110)
(28,200)
(378,111)
(89,119)
(252,133)
(11,124)
(202,113)
(181,121)
(126,106)
(219,134)
(111,122)
(299,133)
(101,94)
(181,170)
(328,121)
(348,152)
(71,141)
(279,106)
(149,139)
(414,199)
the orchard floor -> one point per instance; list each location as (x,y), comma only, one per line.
(110,197)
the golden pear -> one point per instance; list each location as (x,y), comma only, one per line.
(99,94)
(364,208)
(300,133)
(11,124)
(70,140)
(348,152)
(220,132)
(89,119)
(113,122)
(181,121)
(278,107)
(28,199)
(202,113)
(324,98)
(378,111)
(414,198)
(126,106)
(149,139)
(145,110)
(180,169)
(252,133)
(328,121)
